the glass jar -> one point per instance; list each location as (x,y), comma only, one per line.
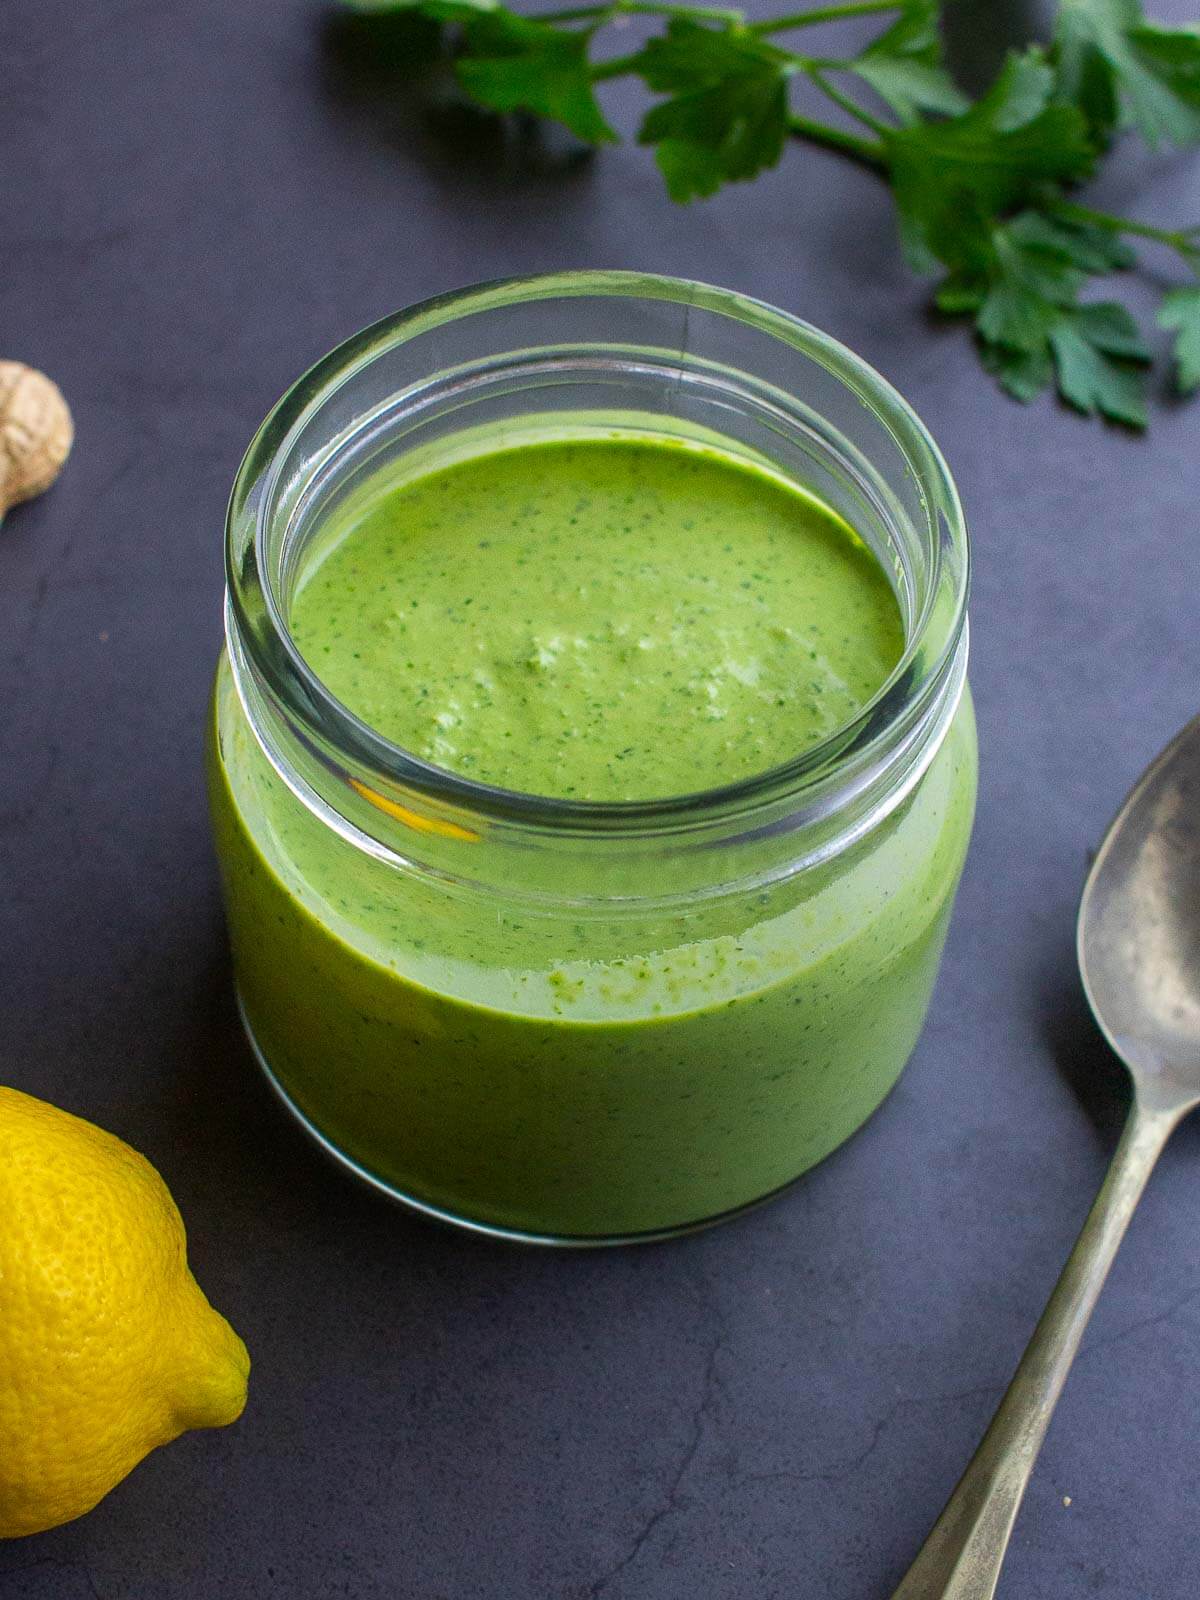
(574,1022)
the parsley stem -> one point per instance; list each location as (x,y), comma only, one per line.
(643,8)
(867,151)
(1184,240)
(844,100)
(574,14)
(805,19)
(707,13)
(614,67)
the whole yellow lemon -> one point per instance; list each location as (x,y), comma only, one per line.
(108,1347)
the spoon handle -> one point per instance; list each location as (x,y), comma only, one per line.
(962,1557)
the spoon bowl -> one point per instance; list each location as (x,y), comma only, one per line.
(1139,926)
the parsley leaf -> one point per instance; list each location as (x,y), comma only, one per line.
(1022,373)
(1110,58)
(1094,354)
(516,63)
(950,178)
(1180,310)
(904,66)
(1023,290)
(727,117)
(1097,351)
(1033,278)
(982,189)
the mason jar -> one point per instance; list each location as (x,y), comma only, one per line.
(564,1021)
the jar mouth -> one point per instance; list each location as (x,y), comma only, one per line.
(277,478)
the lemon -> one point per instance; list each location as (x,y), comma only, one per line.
(108,1347)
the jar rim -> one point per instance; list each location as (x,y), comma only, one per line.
(256,624)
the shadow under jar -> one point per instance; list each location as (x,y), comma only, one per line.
(570,1021)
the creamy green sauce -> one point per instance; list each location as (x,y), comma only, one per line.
(602,620)
(587,1070)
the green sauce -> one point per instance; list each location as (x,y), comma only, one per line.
(622,1069)
(607,620)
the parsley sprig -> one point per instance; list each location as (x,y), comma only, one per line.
(984,190)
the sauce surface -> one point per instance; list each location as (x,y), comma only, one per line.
(604,619)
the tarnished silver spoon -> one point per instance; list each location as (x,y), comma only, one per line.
(1139,953)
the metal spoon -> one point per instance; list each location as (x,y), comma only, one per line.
(1139,953)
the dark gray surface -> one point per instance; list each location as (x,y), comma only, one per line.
(195,202)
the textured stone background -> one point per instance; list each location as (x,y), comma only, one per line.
(196,200)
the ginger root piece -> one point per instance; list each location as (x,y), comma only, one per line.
(36,433)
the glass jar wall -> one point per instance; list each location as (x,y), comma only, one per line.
(554,1019)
